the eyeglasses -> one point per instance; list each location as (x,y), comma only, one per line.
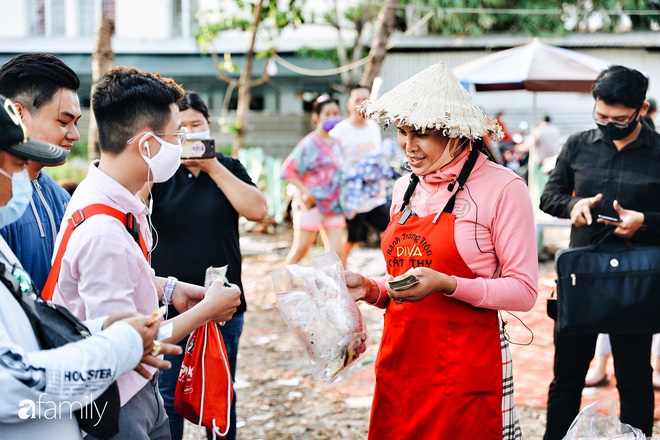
(180,135)
(616,124)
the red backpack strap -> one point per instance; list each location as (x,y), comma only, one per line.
(79,216)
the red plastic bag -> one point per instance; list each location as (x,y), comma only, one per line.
(204,389)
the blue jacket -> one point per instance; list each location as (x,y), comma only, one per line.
(32,237)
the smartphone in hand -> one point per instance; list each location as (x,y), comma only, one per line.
(610,218)
(198,149)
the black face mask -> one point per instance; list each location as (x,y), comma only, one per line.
(615,132)
(618,131)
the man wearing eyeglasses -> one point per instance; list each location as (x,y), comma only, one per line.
(36,391)
(43,90)
(104,267)
(607,179)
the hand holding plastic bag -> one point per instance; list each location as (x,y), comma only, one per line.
(317,307)
(599,421)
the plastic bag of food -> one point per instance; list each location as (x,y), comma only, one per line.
(599,421)
(316,306)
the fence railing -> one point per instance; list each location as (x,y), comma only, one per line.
(264,170)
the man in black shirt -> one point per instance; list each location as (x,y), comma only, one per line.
(195,214)
(610,171)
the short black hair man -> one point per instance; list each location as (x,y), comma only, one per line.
(610,170)
(103,268)
(43,90)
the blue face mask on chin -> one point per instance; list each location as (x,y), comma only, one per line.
(21,194)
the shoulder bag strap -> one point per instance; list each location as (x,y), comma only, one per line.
(79,216)
(462,178)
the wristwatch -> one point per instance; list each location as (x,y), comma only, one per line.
(168,290)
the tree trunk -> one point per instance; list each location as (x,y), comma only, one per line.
(245,86)
(384,28)
(103,58)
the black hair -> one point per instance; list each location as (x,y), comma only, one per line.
(128,99)
(321,102)
(193,101)
(619,85)
(33,79)
(547,118)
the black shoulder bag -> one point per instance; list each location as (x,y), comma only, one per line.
(54,327)
(609,287)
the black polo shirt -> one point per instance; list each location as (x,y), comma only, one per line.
(197,227)
(589,164)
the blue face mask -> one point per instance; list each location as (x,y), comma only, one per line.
(21,194)
(199,135)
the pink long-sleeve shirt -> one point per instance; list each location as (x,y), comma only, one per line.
(494,223)
(103,268)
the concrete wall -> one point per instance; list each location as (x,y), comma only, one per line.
(276,134)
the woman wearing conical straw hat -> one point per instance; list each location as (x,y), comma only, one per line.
(464,227)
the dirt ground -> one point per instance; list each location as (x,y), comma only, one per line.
(277,397)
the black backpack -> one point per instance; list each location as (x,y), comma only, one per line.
(55,326)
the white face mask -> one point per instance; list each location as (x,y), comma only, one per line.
(199,135)
(164,164)
(21,194)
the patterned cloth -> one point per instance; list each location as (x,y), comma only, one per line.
(510,423)
(362,183)
(316,164)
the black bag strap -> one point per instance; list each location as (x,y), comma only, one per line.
(10,282)
(35,307)
(414,180)
(607,238)
(462,178)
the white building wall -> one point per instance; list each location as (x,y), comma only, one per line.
(14,20)
(143,19)
(72,19)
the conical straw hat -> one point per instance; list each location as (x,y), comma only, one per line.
(433,99)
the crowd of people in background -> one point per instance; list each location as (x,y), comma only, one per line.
(461,196)
(340,171)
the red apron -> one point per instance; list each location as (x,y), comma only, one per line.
(439,365)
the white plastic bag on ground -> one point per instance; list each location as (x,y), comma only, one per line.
(600,421)
(315,304)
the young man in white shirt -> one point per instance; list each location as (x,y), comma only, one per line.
(360,138)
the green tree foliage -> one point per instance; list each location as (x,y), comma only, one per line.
(535,17)
(275,16)
(260,19)
(355,18)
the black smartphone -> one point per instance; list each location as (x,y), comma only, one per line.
(607,217)
(198,149)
